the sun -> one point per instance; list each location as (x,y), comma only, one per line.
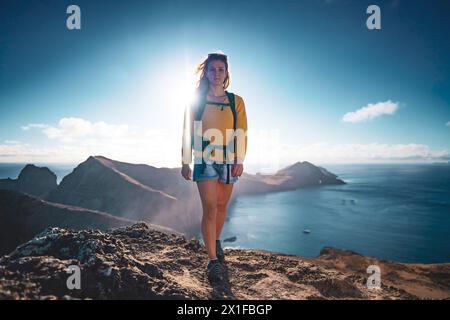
(181,91)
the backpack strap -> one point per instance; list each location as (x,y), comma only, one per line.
(232,99)
(198,110)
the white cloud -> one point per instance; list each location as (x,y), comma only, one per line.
(266,152)
(12,141)
(269,153)
(372,152)
(75,139)
(371,111)
(34,125)
(164,151)
(72,129)
(27,153)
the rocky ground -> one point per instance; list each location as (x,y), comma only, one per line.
(141,262)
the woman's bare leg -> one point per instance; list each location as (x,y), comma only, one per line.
(208,195)
(223,197)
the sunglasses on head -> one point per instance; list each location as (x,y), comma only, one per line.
(217,55)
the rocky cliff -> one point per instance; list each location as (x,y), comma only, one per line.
(161,195)
(22,216)
(37,181)
(298,175)
(98,185)
(142,262)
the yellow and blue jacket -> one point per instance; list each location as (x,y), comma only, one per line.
(219,117)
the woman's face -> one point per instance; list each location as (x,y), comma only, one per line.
(216,72)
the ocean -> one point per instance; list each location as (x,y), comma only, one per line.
(398,212)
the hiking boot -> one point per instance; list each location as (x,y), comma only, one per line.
(214,271)
(219,252)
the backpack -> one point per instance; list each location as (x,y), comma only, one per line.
(198,113)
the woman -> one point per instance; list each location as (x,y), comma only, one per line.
(215,126)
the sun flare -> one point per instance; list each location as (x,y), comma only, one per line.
(180,93)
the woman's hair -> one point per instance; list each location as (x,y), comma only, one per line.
(202,68)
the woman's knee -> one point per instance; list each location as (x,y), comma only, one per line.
(222,206)
(210,210)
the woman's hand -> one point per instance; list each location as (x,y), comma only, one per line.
(237,169)
(186,171)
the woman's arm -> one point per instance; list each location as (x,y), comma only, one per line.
(241,137)
(188,132)
(241,128)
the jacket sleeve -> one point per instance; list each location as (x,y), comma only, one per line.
(241,123)
(188,132)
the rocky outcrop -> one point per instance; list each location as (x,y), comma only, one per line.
(161,195)
(168,180)
(96,185)
(23,216)
(141,262)
(298,175)
(306,174)
(37,181)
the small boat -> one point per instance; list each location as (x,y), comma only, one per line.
(230,239)
(306,231)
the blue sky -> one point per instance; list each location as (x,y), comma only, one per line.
(318,85)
